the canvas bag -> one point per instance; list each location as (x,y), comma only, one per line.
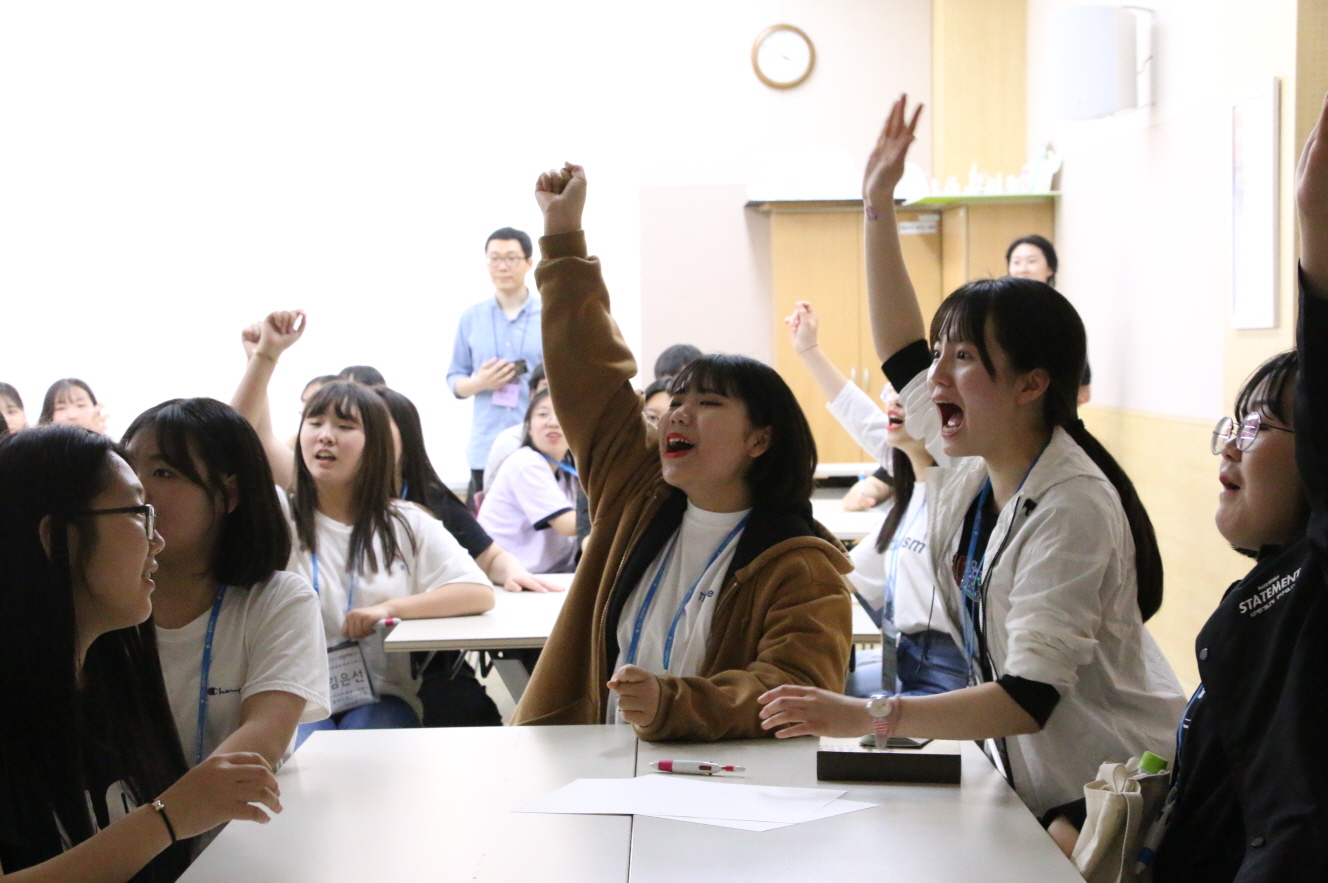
(1122,805)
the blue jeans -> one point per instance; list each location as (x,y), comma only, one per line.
(928,662)
(388,713)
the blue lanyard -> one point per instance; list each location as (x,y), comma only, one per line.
(203,674)
(654,585)
(350,592)
(892,576)
(973,576)
(970,586)
(565,467)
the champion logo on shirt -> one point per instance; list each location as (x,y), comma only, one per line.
(1268,594)
(220,691)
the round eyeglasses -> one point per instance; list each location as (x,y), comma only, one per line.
(1245,433)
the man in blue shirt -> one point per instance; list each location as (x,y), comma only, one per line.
(497,344)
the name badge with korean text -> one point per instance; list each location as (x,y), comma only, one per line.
(349,684)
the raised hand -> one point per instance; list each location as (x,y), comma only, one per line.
(249,338)
(561,194)
(222,788)
(885,166)
(1312,206)
(805,326)
(278,332)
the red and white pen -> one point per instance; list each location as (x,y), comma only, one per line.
(695,767)
(386,623)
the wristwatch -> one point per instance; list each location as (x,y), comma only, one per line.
(884,709)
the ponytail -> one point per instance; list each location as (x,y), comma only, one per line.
(1038,327)
(1147,558)
(903,479)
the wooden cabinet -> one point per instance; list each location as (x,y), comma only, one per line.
(816,255)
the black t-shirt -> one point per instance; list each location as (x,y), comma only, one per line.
(458,521)
(30,837)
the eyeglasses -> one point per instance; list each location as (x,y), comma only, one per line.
(149,515)
(510,260)
(1244,434)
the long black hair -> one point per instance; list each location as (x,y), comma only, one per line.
(903,481)
(58,389)
(53,713)
(418,479)
(1038,327)
(375,480)
(254,541)
(562,476)
(782,477)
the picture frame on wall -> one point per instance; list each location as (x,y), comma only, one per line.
(1255,143)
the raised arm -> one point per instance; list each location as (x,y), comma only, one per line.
(264,342)
(1312,206)
(805,327)
(895,316)
(588,363)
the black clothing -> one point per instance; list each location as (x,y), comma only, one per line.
(28,838)
(458,520)
(1252,773)
(449,691)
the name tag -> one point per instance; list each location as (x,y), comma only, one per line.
(349,684)
(507,397)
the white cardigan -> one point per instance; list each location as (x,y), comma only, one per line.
(1062,609)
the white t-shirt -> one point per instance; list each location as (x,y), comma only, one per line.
(504,445)
(268,637)
(526,496)
(432,559)
(905,566)
(697,540)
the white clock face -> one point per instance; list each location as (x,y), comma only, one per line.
(784,57)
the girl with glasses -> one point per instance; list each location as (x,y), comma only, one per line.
(1249,796)
(1045,556)
(369,556)
(240,639)
(705,581)
(93,783)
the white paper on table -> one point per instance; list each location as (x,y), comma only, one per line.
(834,808)
(660,795)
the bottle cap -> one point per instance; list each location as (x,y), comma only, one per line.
(1151,763)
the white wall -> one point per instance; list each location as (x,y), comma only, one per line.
(1143,227)
(171,172)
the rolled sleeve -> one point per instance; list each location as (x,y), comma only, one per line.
(463,361)
(439,558)
(863,419)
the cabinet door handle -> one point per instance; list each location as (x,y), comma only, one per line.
(853,375)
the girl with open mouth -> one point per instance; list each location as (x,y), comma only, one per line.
(705,581)
(1044,553)
(369,556)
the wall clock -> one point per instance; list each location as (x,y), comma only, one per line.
(783,56)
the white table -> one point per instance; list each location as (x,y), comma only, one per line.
(432,804)
(979,831)
(864,630)
(844,470)
(518,621)
(435,804)
(846,526)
